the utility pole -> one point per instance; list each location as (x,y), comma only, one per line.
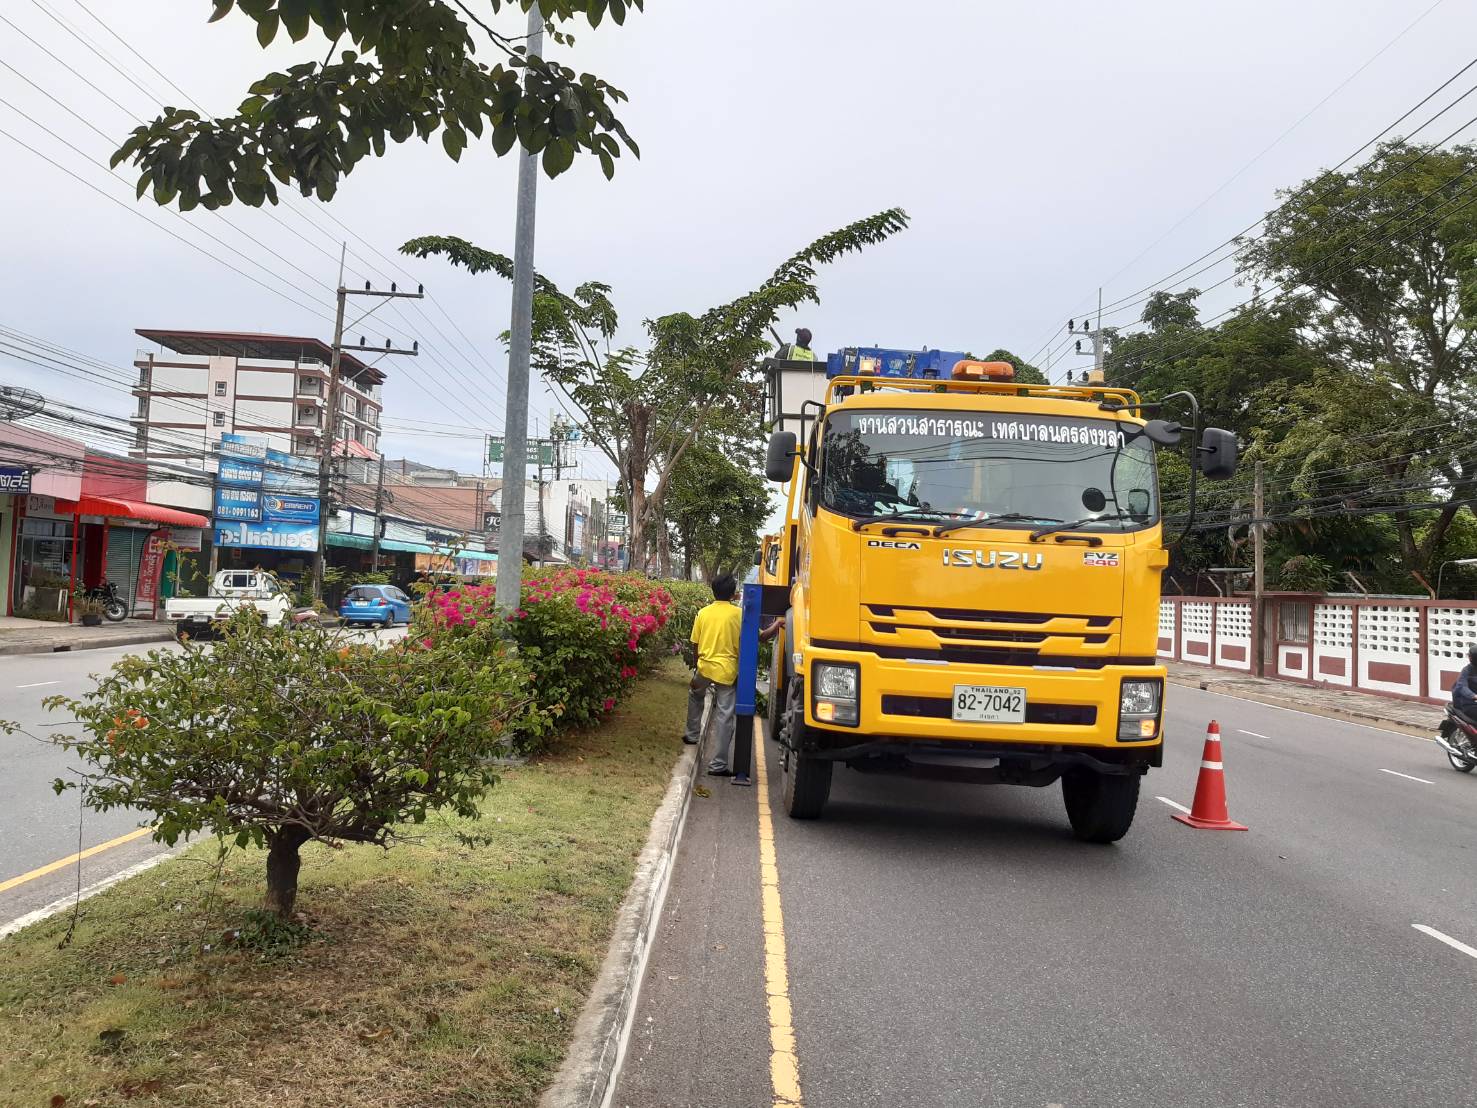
(330,435)
(1258,596)
(379,524)
(1097,375)
(515,458)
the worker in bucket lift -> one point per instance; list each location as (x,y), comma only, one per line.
(799,350)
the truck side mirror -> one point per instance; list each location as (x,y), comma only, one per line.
(1218,454)
(778,465)
(1162,432)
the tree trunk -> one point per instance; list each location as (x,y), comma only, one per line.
(283,863)
(664,551)
(636,525)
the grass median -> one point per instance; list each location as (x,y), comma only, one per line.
(448,970)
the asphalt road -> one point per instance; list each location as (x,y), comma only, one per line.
(37,827)
(953,945)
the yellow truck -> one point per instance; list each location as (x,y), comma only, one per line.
(970,572)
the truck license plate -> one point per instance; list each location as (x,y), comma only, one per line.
(989,704)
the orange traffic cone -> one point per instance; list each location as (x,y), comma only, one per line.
(1209,810)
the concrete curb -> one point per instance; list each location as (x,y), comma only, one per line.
(88,642)
(588,1076)
(1367,719)
(66,902)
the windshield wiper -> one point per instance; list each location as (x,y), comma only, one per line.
(990,521)
(1040,533)
(892,517)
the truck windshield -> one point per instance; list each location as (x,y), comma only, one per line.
(1012,470)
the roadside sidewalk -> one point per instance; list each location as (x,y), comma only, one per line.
(33,636)
(1408,717)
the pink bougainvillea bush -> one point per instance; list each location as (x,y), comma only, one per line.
(585,634)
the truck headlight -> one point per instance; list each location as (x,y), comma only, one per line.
(836,692)
(1138,709)
(835,682)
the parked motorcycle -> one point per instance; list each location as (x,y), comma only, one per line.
(1459,739)
(115,608)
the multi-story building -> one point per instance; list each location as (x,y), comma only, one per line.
(205,384)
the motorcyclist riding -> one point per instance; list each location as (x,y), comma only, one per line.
(1464,690)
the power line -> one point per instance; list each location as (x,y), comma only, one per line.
(472,395)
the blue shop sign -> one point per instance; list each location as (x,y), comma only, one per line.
(294,537)
(15,479)
(290,509)
(238,504)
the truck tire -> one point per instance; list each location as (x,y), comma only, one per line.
(1100,806)
(807,784)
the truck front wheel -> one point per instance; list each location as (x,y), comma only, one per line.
(1100,805)
(807,780)
(807,785)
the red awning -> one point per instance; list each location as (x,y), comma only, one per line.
(138,509)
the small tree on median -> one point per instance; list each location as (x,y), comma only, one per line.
(279,737)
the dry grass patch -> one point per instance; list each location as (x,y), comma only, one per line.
(446,971)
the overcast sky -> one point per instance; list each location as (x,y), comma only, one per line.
(1041,150)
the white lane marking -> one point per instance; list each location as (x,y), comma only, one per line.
(1173,804)
(38,684)
(1455,944)
(1253,734)
(1408,777)
(1368,725)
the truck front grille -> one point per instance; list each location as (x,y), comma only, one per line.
(940,707)
(980,615)
(947,629)
(987,655)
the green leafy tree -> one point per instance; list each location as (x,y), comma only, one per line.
(644,408)
(280,737)
(391,69)
(1388,254)
(1024,370)
(717,508)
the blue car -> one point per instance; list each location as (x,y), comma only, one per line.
(382,604)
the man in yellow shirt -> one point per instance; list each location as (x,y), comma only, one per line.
(715,634)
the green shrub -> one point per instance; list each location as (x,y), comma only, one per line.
(278,737)
(585,634)
(688,598)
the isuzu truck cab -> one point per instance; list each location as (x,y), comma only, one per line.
(970,569)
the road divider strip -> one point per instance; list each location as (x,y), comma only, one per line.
(1253,734)
(1176,805)
(784,1061)
(1455,944)
(71,859)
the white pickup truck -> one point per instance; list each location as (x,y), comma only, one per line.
(230,592)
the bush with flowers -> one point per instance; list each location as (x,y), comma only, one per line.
(584,634)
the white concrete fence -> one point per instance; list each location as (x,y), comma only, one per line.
(1408,648)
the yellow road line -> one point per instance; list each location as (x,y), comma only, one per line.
(71,859)
(784,1064)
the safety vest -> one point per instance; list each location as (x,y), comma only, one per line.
(796,353)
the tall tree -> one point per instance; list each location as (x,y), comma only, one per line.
(645,408)
(717,507)
(392,69)
(1388,254)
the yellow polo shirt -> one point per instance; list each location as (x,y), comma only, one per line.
(716,633)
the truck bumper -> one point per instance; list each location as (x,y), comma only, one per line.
(1071,715)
